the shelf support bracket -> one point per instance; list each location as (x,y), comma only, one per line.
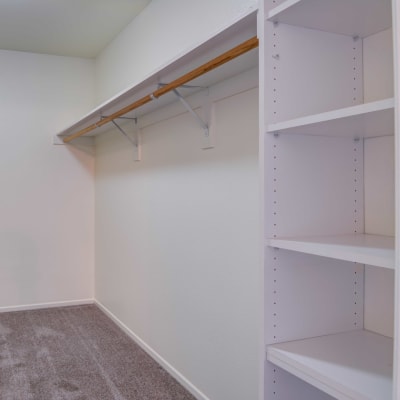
(208,142)
(136,140)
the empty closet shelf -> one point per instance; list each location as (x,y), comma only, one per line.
(354,365)
(361,121)
(355,15)
(362,248)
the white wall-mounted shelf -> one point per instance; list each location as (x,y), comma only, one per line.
(348,17)
(361,121)
(361,248)
(353,365)
(189,59)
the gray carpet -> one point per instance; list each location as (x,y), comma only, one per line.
(76,353)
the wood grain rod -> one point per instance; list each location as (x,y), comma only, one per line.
(203,69)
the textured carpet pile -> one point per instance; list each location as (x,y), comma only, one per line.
(76,353)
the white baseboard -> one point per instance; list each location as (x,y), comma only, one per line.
(54,304)
(153,354)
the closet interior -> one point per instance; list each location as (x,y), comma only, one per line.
(327,162)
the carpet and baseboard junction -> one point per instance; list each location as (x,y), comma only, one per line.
(77,353)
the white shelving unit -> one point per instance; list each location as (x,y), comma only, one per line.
(322,134)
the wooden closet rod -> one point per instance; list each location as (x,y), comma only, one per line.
(209,66)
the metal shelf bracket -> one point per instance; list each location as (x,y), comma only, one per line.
(207,142)
(207,107)
(136,140)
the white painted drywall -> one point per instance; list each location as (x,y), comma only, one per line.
(177,244)
(163,31)
(47,201)
(177,241)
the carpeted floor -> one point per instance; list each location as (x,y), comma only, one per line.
(76,353)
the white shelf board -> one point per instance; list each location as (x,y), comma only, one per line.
(373,250)
(244,28)
(360,121)
(354,365)
(348,17)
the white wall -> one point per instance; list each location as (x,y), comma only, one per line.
(177,241)
(163,31)
(177,244)
(46,202)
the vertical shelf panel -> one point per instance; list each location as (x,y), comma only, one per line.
(311,296)
(304,175)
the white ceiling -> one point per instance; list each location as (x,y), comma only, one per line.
(77,28)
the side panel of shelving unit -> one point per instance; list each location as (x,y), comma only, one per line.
(315,185)
(261,159)
(379,219)
(396,55)
(283,385)
(378,302)
(379,151)
(311,296)
(323,63)
(378,62)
